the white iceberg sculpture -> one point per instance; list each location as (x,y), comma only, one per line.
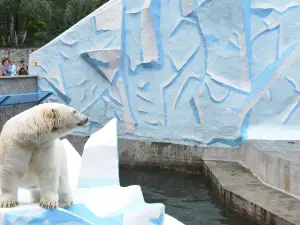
(98,197)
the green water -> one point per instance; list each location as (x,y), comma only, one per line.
(187,197)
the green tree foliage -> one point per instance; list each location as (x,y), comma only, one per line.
(36,22)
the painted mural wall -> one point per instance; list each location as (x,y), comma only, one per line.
(207,72)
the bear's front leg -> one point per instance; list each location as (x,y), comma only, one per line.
(48,179)
(8,188)
(44,162)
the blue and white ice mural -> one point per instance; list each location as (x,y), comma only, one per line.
(181,71)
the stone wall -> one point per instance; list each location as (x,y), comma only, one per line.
(15,85)
(16,53)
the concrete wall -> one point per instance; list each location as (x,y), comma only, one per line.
(16,53)
(15,85)
(181,71)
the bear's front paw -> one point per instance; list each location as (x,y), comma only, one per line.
(49,204)
(9,204)
(65,205)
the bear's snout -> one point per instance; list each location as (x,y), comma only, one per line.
(83,122)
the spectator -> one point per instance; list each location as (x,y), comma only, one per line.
(5,67)
(22,69)
(13,68)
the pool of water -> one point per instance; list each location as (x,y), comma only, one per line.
(187,197)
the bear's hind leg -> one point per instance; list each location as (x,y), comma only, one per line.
(8,188)
(65,198)
(35,196)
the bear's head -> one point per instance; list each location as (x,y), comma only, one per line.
(62,119)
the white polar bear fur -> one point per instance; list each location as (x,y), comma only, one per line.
(32,157)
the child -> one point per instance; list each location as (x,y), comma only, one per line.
(12,67)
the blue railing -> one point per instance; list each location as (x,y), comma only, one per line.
(26,98)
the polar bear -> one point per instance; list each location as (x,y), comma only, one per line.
(32,157)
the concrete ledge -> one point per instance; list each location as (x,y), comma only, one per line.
(238,189)
(276,163)
(18,77)
(166,155)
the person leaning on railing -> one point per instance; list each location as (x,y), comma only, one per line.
(23,68)
(5,70)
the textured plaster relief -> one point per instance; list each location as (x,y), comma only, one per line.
(153,123)
(199,2)
(234,39)
(221,18)
(94,89)
(63,55)
(104,7)
(143,84)
(57,96)
(134,6)
(110,18)
(170,17)
(133,47)
(144,97)
(280,70)
(115,42)
(221,54)
(107,61)
(112,108)
(268,97)
(219,67)
(115,95)
(187,7)
(195,111)
(106,99)
(128,126)
(133,51)
(278,5)
(264,51)
(273,107)
(213,120)
(70,38)
(257,26)
(142,111)
(84,95)
(181,50)
(294,80)
(82,82)
(217,92)
(193,78)
(289,28)
(54,76)
(273,20)
(180,88)
(189,77)
(149,46)
(290,110)
(119,116)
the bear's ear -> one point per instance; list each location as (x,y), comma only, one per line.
(53,116)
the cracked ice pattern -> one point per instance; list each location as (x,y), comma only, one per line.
(183,71)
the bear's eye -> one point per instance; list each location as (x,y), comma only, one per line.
(74,111)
